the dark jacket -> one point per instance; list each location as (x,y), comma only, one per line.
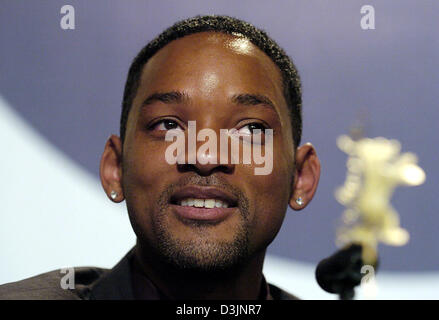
(91,283)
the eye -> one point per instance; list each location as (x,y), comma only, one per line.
(249,128)
(166,124)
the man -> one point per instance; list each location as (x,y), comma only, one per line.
(203,226)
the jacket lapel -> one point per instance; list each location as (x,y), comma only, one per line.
(116,284)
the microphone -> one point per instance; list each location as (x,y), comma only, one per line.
(341,272)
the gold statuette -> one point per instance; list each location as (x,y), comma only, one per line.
(375,167)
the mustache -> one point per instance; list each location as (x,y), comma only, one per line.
(205,181)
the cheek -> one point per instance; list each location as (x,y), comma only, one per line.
(144,166)
(270,201)
(145,176)
(271,204)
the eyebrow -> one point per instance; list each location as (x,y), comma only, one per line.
(172,97)
(179,97)
(253,100)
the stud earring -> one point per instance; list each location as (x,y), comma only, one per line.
(299,201)
(113,194)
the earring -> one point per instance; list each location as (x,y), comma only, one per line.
(299,201)
(113,194)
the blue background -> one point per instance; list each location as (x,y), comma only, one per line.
(68,85)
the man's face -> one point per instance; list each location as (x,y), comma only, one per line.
(206,70)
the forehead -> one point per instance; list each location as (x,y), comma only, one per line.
(212,65)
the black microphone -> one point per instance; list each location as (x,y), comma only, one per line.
(341,272)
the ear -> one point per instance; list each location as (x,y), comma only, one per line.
(110,169)
(306,178)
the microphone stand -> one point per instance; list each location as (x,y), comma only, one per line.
(341,272)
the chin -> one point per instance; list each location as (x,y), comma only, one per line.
(204,255)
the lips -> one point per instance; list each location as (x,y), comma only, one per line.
(203,203)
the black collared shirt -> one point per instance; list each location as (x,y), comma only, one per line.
(145,289)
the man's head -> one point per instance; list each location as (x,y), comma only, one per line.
(227,25)
(209,70)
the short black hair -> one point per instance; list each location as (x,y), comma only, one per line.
(227,25)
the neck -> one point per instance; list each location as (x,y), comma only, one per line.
(242,282)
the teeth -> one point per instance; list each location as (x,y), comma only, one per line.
(203,203)
(199,203)
(209,203)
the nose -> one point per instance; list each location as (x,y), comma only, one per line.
(207,161)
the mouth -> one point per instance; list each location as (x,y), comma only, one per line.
(203,203)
